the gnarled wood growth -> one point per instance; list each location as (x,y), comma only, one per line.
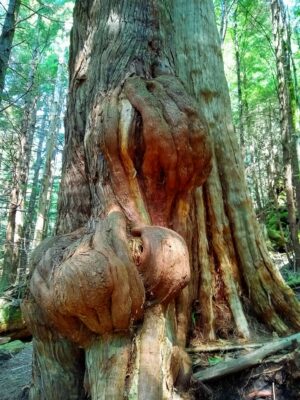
(93,282)
(139,243)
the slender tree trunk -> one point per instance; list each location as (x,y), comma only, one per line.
(239,77)
(31,212)
(294,109)
(6,39)
(48,205)
(15,225)
(47,180)
(224,20)
(290,162)
(138,242)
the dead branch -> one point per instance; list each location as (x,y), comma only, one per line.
(220,348)
(247,361)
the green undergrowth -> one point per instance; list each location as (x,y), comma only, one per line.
(276,223)
(10,312)
(12,347)
(292,278)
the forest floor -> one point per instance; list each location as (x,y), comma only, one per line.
(276,378)
(15,371)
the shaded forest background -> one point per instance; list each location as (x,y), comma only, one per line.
(262,63)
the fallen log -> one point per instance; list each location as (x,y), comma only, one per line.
(235,365)
(12,323)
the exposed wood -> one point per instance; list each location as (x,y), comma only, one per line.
(247,361)
(222,347)
(259,393)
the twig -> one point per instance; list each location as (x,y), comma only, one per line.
(19,98)
(273,391)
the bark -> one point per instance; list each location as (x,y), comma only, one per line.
(46,184)
(15,225)
(138,241)
(290,161)
(6,39)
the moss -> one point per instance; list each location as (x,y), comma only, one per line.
(10,313)
(277,227)
(12,347)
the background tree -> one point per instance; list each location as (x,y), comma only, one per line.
(254,87)
(35,62)
(6,38)
(289,142)
(137,150)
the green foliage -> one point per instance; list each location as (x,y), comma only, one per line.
(277,227)
(214,360)
(42,32)
(10,312)
(292,279)
(255,101)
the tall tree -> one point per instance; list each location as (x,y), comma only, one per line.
(46,184)
(239,76)
(37,165)
(6,39)
(138,241)
(289,143)
(15,225)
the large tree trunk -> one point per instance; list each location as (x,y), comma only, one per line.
(6,39)
(117,280)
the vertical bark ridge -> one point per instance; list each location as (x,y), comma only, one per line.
(206,280)
(243,239)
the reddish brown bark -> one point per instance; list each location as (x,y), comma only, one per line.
(138,147)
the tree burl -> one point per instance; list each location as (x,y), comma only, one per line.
(99,279)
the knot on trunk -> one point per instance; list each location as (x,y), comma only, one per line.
(87,283)
(157,147)
(162,258)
